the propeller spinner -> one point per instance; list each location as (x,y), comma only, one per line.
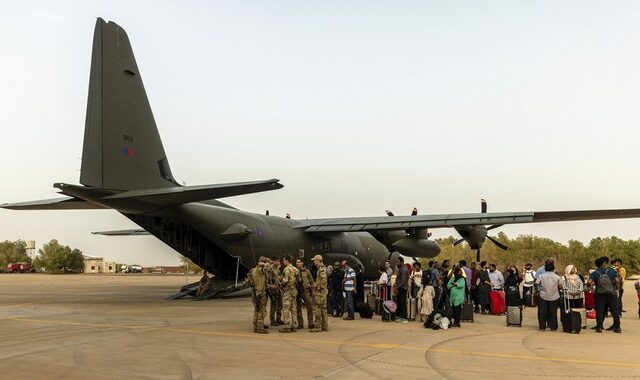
(476,235)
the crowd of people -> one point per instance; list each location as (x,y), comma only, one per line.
(406,292)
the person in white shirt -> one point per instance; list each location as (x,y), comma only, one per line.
(384,278)
(528,281)
(496,278)
(415,280)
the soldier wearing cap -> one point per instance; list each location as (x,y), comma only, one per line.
(320,303)
(257,279)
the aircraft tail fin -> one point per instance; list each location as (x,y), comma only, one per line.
(122,147)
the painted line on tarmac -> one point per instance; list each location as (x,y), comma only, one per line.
(335,342)
(21,304)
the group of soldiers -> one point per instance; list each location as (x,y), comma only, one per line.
(288,290)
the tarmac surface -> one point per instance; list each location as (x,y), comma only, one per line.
(120,326)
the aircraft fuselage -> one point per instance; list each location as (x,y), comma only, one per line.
(215,236)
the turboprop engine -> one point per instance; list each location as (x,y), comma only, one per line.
(423,248)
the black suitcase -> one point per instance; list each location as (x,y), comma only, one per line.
(467,312)
(364,310)
(514,316)
(531,299)
(571,319)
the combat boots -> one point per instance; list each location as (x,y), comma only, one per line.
(315,330)
(293,329)
(285,330)
(261,331)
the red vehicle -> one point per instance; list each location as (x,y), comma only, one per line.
(18,267)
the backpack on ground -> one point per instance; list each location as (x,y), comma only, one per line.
(434,319)
(365,310)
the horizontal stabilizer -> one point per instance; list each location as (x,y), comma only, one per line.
(53,204)
(137,232)
(186,194)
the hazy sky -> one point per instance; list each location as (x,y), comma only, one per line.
(356,106)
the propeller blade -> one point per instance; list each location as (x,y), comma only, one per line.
(478,255)
(494,226)
(457,242)
(483,206)
(500,245)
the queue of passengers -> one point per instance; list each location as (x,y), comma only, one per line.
(406,292)
(419,292)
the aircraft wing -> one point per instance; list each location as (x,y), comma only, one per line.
(65,203)
(134,232)
(187,194)
(388,223)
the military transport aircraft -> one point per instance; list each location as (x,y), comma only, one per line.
(124,168)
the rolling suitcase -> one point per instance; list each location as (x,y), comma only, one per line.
(388,310)
(498,304)
(514,316)
(411,309)
(531,299)
(466,313)
(571,319)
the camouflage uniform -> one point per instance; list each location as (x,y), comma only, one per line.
(275,296)
(257,278)
(320,303)
(305,296)
(289,314)
(204,285)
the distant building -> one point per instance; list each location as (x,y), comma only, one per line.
(98,265)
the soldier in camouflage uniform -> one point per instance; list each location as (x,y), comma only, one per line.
(275,293)
(320,303)
(204,284)
(289,286)
(257,279)
(305,294)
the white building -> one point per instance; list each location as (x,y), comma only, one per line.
(98,265)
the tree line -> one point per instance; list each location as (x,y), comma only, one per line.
(57,258)
(53,257)
(534,249)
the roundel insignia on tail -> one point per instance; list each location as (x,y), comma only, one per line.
(128,152)
(260,233)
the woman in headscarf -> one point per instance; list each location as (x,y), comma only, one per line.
(573,293)
(456,286)
(483,289)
